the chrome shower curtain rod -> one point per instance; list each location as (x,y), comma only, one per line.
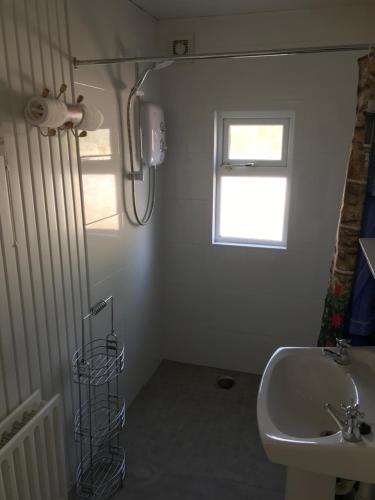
(227,55)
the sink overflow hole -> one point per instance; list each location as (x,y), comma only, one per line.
(226,382)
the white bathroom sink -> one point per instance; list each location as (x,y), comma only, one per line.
(292,420)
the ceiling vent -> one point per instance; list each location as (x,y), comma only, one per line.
(180,45)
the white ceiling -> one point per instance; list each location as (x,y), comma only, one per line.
(164,9)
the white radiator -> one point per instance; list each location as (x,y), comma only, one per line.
(32,457)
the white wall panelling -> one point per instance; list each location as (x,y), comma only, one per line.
(43,279)
(43,276)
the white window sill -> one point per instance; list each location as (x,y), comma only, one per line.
(249,245)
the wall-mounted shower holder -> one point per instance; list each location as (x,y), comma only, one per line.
(136,175)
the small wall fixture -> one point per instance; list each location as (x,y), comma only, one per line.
(50,114)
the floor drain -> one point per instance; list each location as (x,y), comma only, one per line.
(327,433)
(226,382)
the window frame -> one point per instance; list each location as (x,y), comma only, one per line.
(259,168)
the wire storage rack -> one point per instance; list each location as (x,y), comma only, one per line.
(100,416)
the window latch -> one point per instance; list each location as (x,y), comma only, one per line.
(229,166)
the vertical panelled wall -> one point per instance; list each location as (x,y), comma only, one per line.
(42,254)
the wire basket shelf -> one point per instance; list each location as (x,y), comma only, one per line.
(100,476)
(98,361)
(100,420)
(100,416)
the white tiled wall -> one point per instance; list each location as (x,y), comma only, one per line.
(122,259)
(232,307)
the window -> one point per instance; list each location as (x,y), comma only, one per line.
(252,178)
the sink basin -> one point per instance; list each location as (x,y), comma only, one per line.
(294,426)
(300,382)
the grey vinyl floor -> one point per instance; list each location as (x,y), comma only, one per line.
(187,439)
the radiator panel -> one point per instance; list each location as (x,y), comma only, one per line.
(32,462)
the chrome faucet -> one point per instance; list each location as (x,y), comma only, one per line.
(341,356)
(349,425)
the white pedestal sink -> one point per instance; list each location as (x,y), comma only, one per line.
(292,420)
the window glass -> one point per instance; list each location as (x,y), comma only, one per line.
(255,142)
(252,208)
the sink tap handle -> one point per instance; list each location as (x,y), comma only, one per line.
(343,343)
(351,430)
(352,410)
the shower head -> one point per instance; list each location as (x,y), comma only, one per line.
(162,64)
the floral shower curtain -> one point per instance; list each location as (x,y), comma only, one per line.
(350,221)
